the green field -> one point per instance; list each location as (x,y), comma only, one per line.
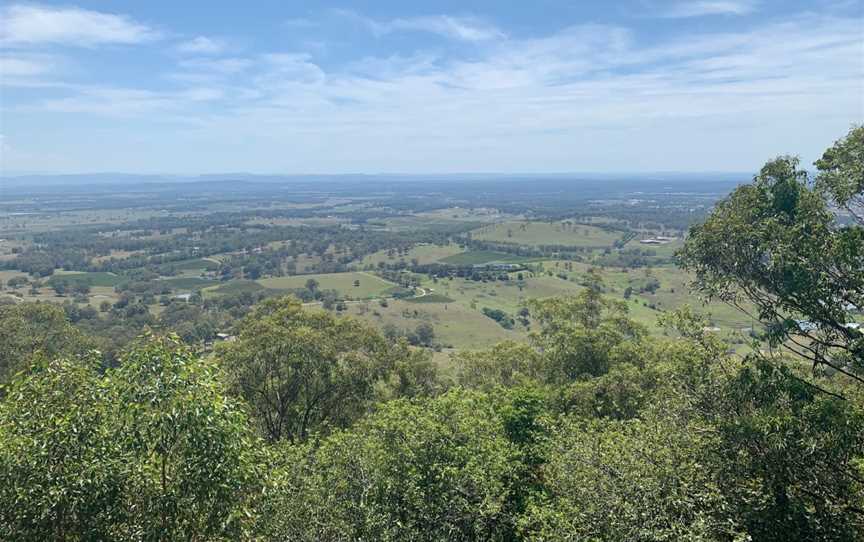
(370,285)
(196,264)
(233,287)
(667,250)
(6,275)
(188,283)
(91,279)
(455,325)
(505,295)
(481,257)
(545,233)
(673,292)
(430,298)
(424,254)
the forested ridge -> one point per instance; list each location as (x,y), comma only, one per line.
(315,426)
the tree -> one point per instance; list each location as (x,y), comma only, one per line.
(626,480)
(193,460)
(60,463)
(425,333)
(312,285)
(775,249)
(841,174)
(786,457)
(583,336)
(304,371)
(434,469)
(29,331)
(154,450)
(60,287)
(505,364)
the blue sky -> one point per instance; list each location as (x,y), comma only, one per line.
(422,87)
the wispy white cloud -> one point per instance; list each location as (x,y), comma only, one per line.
(202,45)
(25,65)
(225,65)
(25,24)
(702,8)
(458,28)
(469,29)
(587,94)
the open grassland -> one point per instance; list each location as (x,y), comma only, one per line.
(672,293)
(117,255)
(545,233)
(666,250)
(97,295)
(234,287)
(195,265)
(7,246)
(369,285)
(188,283)
(430,298)
(441,218)
(6,275)
(455,325)
(424,254)
(90,279)
(47,220)
(481,257)
(505,295)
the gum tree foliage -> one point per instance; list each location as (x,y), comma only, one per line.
(30,330)
(154,450)
(794,251)
(590,356)
(304,371)
(639,480)
(506,364)
(430,469)
(786,457)
(60,465)
(193,456)
(841,174)
(582,336)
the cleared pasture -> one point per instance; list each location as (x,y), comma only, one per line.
(369,285)
(546,233)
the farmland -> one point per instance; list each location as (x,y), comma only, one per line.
(447,265)
(355,285)
(542,233)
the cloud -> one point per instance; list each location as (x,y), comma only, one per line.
(201,45)
(587,96)
(702,8)
(24,66)
(457,28)
(225,66)
(469,29)
(31,25)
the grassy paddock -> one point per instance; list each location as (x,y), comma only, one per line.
(91,279)
(424,254)
(369,285)
(544,233)
(481,257)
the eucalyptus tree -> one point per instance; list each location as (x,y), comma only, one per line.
(153,450)
(790,251)
(304,371)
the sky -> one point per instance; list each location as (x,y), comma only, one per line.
(425,87)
